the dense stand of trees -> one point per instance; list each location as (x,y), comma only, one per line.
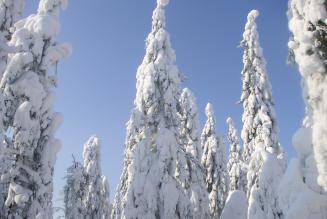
(171,169)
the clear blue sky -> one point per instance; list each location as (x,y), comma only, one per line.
(97,83)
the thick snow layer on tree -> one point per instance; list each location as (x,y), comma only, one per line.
(302,140)
(10,12)
(263,154)
(27,86)
(236,206)
(307,22)
(155,163)
(296,199)
(263,197)
(256,94)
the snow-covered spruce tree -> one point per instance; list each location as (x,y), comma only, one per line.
(96,194)
(235,166)
(27,86)
(214,163)
(10,12)
(307,22)
(300,195)
(149,187)
(262,151)
(74,191)
(190,173)
(189,127)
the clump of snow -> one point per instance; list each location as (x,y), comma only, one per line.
(236,206)
(296,199)
(307,22)
(163,3)
(302,141)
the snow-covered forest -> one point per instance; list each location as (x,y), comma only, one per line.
(172,167)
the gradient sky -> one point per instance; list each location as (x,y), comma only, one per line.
(97,83)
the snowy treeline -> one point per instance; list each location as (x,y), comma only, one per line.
(172,168)
(163,157)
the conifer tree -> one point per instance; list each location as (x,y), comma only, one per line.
(189,119)
(191,172)
(235,166)
(86,191)
(262,151)
(302,189)
(214,164)
(74,191)
(307,22)
(149,186)
(27,86)
(10,12)
(96,193)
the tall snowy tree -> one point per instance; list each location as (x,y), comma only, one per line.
(262,151)
(96,194)
(235,166)
(190,173)
(214,163)
(86,193)
(189,126)
(307,22)
(300,195)
(149,186)
(74,192)
(10,12)
(27,86)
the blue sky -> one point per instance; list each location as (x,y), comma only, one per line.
(97,83)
